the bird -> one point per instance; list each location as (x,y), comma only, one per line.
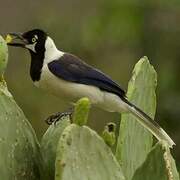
(67,76)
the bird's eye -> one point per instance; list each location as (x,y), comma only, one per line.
(33,39)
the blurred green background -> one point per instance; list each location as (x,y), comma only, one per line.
(111,35)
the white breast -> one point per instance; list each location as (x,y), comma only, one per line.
(70,90)
(74,91)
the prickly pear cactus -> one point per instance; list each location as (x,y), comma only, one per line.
(74,151)
(20,158)
(3,56)
(82,154)
(109,134)
(139,161)
(159,165)
(81,111)
(135,142)
(49,145)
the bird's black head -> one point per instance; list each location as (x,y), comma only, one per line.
(33,40)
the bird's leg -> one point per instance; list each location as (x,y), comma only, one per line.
(54,118)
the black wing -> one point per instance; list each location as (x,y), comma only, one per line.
(71,68)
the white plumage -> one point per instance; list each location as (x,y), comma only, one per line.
(67,77)
(73,91)
(105,100)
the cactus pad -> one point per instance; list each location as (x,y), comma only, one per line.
(49,145)
(3,56)
(159,165)
(81,111)
(19,149)
(134,140)
(82,154)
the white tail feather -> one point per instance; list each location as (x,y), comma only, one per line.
(150,124)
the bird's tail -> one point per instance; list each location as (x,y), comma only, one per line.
(150,124)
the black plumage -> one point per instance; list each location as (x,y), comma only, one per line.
(71,68)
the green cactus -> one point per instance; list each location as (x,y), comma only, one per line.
(159,165)
(74,151)
(3,56)
(81,111)
(85,142)
(19,149)
(82,154)
(49,145)
(134,142)
(109,134)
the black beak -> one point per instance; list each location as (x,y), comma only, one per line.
(16,39)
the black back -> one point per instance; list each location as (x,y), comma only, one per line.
(71,68)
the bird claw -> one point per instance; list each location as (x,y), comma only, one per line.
(54,118)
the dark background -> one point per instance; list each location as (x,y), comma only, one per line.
(111,35)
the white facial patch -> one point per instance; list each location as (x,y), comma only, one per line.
(36,36)
(31,47)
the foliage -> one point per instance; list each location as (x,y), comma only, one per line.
(20,154)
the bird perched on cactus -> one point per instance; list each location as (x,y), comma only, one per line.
(66,75)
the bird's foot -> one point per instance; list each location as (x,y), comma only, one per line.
(54,118)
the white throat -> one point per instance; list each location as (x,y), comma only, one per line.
(51,52)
